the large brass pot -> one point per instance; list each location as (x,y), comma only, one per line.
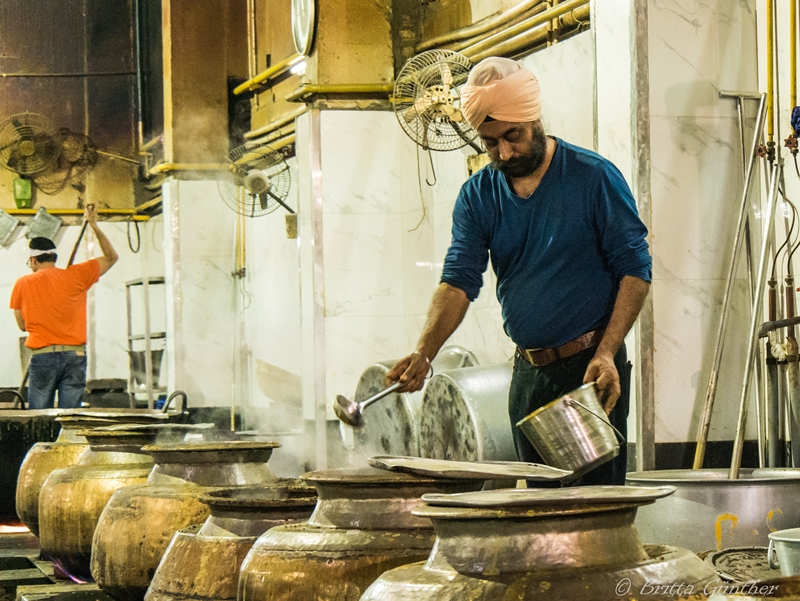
(202,562)
(72,498)
(568,549)
(44,457)
(139,521)
(361,527)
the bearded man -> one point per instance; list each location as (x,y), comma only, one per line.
(567,246)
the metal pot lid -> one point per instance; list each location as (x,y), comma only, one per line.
(742,564)
(233,451)
(136,436)
(714,477)
(287,492)
(75,421)
(564,497)
(366,475)
(482,470)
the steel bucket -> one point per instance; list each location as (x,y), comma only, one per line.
(786,545)
(573,432)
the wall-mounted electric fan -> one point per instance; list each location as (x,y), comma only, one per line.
(427,101)
(255,181)
(29,144)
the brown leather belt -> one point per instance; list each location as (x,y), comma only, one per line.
(539,357)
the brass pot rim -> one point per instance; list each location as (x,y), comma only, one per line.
(519,513)
(206,446)
(281,493)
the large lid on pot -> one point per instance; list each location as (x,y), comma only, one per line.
(233,451)
(368,475)
(286,492)
(484,470)
(534,501)
(132,437)
(89,419)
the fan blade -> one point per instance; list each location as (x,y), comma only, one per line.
(421,105)
(262,200)
(447,76)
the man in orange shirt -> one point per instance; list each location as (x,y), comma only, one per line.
(50,304)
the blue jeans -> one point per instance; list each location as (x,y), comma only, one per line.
(533,387)
(64,372)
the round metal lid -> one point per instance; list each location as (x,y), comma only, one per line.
(563,497)
(713,477)
(365,475)
(282,493)
(482,470)
(234,451)
(139,435)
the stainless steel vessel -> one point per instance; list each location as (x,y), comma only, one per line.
(202,562)
(556,550)
(464,415)
(573,432)
(708,511)
(391,427)
(139,521)
(362,526)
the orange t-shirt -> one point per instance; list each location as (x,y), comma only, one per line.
(53,303)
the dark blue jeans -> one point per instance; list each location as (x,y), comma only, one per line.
(50,372)
(533,387)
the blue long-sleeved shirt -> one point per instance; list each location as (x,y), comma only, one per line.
(559,255)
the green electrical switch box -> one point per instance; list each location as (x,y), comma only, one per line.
(22,193)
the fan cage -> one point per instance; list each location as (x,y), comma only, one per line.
(241,161)
(29,144)
(427,100)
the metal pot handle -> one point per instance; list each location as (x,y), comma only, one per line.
(774,565)
(603,418)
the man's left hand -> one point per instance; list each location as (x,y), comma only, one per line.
(603,371)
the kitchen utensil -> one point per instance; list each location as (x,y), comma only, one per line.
(352,413)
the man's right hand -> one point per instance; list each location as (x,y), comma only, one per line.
(90,213)
(411,370)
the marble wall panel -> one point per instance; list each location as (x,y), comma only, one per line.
(697,49)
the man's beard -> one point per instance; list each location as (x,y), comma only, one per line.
(529,162)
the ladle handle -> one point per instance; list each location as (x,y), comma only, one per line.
(604,418)
(378,396)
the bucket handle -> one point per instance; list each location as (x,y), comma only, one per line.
(773,563)
(603,418)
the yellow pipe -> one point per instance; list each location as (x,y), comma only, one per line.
(132,214)
(169,167)
(770,83)
(283,142)
(273,125)
(478,28)
(148,204)
(264,76)
(793,53)
(458,46)
(278,133)
(530,38)
(345,88)
(522,28)
(153,143)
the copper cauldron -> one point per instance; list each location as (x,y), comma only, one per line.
(202,562)
(139,521)
(361,527)
(44,457)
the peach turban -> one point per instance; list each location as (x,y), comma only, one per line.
(502,89)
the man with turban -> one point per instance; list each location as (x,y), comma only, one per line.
(50,304)
(568,249)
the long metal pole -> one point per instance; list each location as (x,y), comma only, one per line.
(711,391)
(738,442)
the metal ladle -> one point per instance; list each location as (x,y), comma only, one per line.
(352,413)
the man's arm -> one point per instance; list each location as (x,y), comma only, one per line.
(110,256)
(601,369)
(447,310)
(20,320)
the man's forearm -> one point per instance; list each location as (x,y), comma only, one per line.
(630,299)
(105,244)
(446,312)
